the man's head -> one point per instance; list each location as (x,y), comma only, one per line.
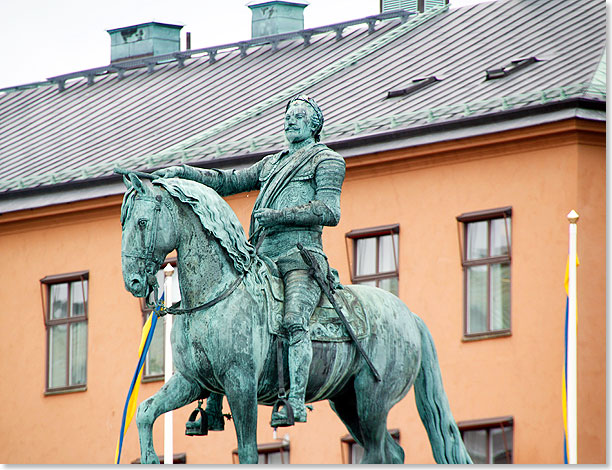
(303,119)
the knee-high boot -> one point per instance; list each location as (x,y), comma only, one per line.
(300,357)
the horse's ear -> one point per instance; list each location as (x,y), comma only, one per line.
(127,182)
(137,184)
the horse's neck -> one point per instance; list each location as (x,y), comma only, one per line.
(203,265)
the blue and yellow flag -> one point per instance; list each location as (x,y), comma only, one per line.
(130,404)
(564,393)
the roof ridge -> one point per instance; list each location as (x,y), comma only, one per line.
(307,82)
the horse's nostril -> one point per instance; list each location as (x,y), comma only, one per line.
(135,285)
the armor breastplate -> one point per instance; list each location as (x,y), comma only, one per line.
(300,190)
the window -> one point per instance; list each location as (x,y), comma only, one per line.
(486,256)
(375,257)
(275,453)
(489,440)
(355,451)
(154,362)
(66,324)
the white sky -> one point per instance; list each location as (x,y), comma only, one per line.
(45,38)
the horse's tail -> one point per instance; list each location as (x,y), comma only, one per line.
(432,403)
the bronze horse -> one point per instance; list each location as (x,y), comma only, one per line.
(227,348)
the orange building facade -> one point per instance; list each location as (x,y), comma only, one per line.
(540,172)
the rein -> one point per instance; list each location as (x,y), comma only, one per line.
(181,311)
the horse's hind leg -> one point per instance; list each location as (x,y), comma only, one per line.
(345,406)
(373,405)
(177,392)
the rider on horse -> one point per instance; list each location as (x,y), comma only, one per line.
(299,194)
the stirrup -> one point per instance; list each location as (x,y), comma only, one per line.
(199,427)
(282,414)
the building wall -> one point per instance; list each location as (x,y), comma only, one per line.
(541,172)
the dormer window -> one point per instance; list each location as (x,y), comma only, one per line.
(513,66)
(417,84)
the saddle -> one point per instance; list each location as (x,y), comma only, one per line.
(325,325)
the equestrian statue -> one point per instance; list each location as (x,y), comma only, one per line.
(262,315)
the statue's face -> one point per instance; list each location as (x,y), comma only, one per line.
(298,119)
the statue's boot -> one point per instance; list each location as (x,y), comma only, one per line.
(300,357)
(214,411)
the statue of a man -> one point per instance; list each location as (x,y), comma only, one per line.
(299,194)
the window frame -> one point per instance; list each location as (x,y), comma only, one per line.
(45,287)
(349,441)
(503,422)
(372,232)
(467,218)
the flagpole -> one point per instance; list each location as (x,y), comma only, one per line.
(572,330)
(168,422)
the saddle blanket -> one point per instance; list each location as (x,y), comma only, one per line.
(325,324)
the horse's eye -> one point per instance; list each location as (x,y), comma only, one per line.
(142,224)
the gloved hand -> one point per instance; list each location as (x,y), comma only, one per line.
(267,217)
(171,172)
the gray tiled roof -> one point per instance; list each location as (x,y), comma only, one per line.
(233,106)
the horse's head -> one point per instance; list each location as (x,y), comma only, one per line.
(148,234)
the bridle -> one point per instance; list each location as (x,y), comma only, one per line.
(152,264)
(151,261)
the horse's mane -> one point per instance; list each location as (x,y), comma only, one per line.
(215,215)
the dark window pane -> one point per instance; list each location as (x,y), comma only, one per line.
(499,243)
(500,296)
(78,353)
(476,444)
(499,441)
(57,355)
(366,256)
(477,298)
(477,240)
(58,301)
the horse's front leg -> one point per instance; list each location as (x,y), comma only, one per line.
(241,391)
(177,392)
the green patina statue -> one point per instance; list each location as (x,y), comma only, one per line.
(299,194)
(252,312)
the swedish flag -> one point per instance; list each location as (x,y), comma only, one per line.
(130,404)
(564,392)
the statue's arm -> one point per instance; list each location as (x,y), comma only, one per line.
(225,182)
(324,209)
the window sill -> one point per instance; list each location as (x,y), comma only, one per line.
(486,335)
(153,378)
(62,391)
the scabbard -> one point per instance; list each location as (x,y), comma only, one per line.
(315,271)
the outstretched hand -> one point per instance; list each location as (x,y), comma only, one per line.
(267,217)
(170,172)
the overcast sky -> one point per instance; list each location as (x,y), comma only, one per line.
(45,38)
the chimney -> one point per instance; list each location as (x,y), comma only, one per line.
(276,16)
(411,5)
(144,40)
